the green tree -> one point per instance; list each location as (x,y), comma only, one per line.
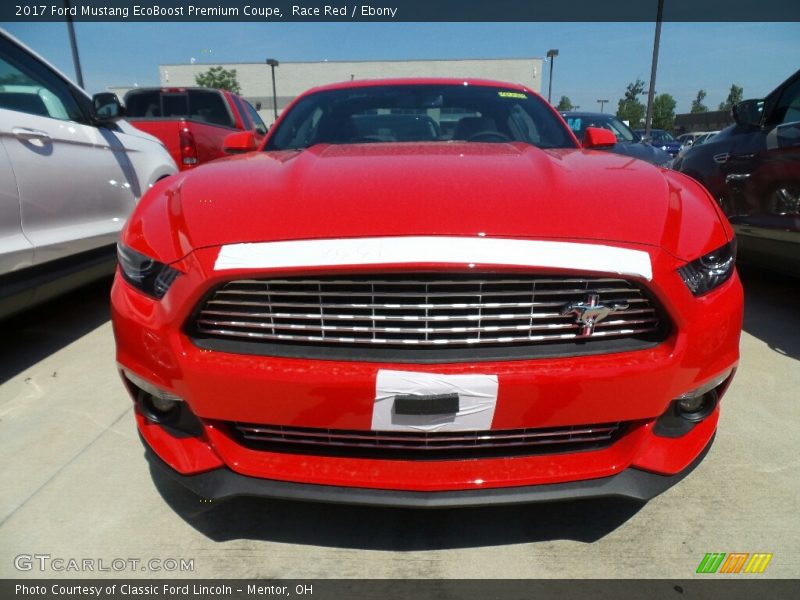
(734,97)
(219,78)
(663,112)
(629,108)
(697,103)
(564,104)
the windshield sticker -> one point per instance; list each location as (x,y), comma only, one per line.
(512,95)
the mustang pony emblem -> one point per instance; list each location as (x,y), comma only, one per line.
(590,312)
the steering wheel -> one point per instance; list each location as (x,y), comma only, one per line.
(366,139)
(488,136)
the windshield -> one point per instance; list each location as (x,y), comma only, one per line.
(579,123)
(419,113)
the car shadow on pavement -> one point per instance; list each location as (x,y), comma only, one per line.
(771,310)
(380,528)
(37,333)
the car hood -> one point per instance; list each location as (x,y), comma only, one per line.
(457,189)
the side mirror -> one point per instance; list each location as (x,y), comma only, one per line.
(597,137)
(748,113)
(107,108)
(239,142)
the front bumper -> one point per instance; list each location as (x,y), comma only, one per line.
(221,388)
(224,484)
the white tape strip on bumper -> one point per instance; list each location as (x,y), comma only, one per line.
(435,250)
(477,398)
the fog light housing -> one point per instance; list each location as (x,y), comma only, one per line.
(697,408)
(158,409)
(163,405)
(691,405)
(159,406)
(690,408)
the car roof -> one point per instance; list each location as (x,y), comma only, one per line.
(593,115)
(359,83)
(174,89)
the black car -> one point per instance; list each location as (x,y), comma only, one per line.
(752,168)
(628,143)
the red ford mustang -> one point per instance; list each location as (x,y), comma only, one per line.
(426,293)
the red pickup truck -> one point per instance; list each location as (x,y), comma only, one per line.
(192,122)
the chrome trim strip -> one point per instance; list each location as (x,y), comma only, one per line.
(419,342)
(427,441)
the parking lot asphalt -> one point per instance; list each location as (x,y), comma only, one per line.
(74,482)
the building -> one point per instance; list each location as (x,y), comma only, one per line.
(292,78)
(713,120)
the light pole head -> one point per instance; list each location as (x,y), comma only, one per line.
(272,62)
(552,53)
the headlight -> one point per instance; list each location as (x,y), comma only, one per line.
(144,273)
(710,271)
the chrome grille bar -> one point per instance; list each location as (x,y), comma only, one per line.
(531,440)
(416,295)
(420,310)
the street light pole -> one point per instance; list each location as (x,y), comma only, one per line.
(76,60)
(272,64)
(651,93)
(551,54)
(602,103)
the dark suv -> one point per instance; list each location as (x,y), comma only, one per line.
(752,168)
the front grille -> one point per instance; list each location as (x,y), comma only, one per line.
(426,446)
(423,311)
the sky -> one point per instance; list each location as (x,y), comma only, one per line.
(595,61)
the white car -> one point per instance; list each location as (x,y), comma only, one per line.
(71,171)
(698,139)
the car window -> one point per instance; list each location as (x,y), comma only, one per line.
(419,113)
(659,136)
(578,124)
(207,106)
(246,122)
(524,123)
(258,122)
(29,87)
(788,108)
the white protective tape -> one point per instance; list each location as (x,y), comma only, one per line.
(435,250)
(477,401)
